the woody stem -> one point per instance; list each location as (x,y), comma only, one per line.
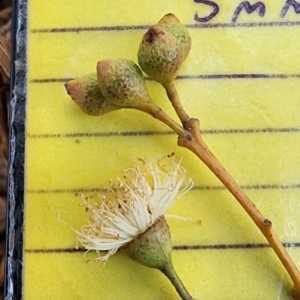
(194,142)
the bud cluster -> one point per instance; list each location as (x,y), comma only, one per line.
(119,83)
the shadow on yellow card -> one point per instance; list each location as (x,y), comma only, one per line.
(241,80)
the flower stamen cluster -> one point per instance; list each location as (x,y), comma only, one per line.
(131,205)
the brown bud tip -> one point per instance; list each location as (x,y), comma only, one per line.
(72,88)
(153,34)
(86,93)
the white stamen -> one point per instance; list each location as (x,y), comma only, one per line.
(128,208)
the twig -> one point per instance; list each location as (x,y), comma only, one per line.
(194,142)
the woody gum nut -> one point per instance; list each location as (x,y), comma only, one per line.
(86,93)
(122,83)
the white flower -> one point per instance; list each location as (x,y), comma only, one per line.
(131,205)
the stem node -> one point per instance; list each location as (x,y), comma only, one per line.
(267,222)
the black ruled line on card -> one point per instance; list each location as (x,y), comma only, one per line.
(190,77)
(195,188)
(179,247)
(145,27)
(232,246)
(98,134)
(64,191)
(157,133)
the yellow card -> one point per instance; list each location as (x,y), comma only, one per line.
(241,80)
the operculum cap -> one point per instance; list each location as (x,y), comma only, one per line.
(122,84)
(163,49)
(86,93)
(171,23)
(153,247)
(159,54)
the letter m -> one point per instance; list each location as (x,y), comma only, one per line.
(249,9)
(287,5)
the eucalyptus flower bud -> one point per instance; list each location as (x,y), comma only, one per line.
(122,83)
(163,49)
(86,93)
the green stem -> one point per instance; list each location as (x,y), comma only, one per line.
(159,114)
(174,98)
(170,272)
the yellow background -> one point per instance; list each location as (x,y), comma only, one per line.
(252,126)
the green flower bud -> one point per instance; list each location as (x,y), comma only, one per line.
(122,83)
(86,93)
(163,49)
